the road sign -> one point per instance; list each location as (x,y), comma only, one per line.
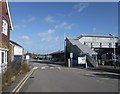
(71,55)
(27,57)
(82,60)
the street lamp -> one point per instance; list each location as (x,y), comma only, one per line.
(114,49)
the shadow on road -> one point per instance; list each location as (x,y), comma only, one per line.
(99,74)
(113,76)
(50,62)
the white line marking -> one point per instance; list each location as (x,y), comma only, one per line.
(105,78)
(43,68)
(35,68)
(59,68)
(51,67)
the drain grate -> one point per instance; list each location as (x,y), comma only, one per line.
(32,77)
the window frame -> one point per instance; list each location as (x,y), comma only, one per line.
(4,27)
(110,45)
(3,57)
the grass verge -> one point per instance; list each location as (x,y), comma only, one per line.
(109,67)
(13,69)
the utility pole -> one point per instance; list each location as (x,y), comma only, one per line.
(64,50)
(114,52)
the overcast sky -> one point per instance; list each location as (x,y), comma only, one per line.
(40,27)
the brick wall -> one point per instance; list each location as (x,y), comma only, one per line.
(5,39)
(0,24)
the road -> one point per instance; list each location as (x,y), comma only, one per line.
(54,78)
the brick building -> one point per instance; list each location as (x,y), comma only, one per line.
(5,28)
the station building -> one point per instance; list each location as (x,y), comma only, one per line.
(96,48)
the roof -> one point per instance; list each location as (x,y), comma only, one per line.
(71,38)
(102,36)
(84,48)
(14,43)
(8,13)
(57,52)
(119,41)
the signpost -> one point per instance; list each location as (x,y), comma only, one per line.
(27,58)
(71,55)
(82,60)
(70,60)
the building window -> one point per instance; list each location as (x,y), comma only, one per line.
(84,43)
(110,45)
(91,45)
(100,44)
(3,57)
(4,27)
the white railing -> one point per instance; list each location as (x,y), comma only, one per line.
(3,68)
(92,60)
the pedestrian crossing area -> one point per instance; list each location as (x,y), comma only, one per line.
(50,67)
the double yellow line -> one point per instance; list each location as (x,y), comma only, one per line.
(19,86)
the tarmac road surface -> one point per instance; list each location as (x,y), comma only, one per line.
(54,78)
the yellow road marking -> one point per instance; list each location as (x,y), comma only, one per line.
(23,82)
(19,86)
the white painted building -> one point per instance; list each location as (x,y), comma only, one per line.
(96,41)
(16,52)
(100,43)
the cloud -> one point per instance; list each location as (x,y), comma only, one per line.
(57,38)
(19,26)
(64,25)
(94,29)
(25,39)
(49,19)
(23,23)
(81,6)
(46,36)
(61,15)
(29,19)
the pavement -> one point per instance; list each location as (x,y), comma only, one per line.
(55,78)
(16,82)
(0,83)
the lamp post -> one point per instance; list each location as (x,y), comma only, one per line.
(114,50)
(64,49)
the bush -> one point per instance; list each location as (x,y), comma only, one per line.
(13,69)
(6,77)
(99,62)
(25,67)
